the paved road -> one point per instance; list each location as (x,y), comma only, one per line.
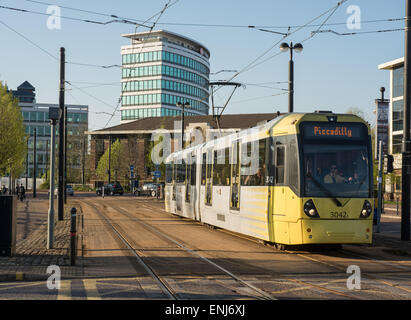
(192,261)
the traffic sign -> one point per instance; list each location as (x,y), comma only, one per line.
(157,174)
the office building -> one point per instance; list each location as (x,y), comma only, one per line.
(35,116)
(161,69)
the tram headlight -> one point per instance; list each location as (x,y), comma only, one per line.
(310,209)
(366,209)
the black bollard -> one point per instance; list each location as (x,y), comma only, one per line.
(73,237)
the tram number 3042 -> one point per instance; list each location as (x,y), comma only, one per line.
(335,214)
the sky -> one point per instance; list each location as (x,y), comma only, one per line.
(333,72)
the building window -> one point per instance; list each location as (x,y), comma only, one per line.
(397,115)
(398,82)
(396,143)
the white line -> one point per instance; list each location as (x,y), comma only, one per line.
(65,290)
(90,286)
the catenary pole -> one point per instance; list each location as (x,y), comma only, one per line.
(406,143)
(65,157)
(61,173)
(50,222)
(35,163)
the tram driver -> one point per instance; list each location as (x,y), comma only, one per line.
(334,176)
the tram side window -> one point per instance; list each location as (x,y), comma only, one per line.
(221,172)
(254,172)
(181,172)
(279,164)
(203,170)
(169,172)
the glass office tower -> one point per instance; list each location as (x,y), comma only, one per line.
(160,69)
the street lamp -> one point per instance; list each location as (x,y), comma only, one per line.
(298,47)
(181,105)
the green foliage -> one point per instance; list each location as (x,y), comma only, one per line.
(119,163)
(149,162)
(83,188)
(46,183)
(13,137)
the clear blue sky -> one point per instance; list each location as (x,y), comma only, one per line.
(333,72)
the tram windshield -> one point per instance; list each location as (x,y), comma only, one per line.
(336,170)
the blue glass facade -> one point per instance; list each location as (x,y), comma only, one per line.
(154,82)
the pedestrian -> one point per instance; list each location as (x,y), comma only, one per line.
(18,191)
(22,192)
(3,189)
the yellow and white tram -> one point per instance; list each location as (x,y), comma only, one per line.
(310,181)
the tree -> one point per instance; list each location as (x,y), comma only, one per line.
(77,156)
(13,137)
(118,164)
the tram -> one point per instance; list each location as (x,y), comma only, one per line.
(301,178)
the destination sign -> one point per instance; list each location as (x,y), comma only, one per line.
(322,130)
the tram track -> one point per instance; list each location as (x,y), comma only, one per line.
(348,253)
(166,287)
(162,284)
(147,215)
(301,282)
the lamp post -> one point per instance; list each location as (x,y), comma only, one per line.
(298,47)
(182,105)
(54,115)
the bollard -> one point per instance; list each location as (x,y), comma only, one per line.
(73,237)
(397,206)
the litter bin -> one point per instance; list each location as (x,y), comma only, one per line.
(7,225)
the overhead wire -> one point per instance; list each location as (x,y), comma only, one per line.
(358,32)
(74,19)
(212,25)
(30,41)
(254,63)
(50,54)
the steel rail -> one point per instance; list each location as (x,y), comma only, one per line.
(161,283)
(264,295)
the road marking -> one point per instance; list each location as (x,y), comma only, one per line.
(65,290)
(90,287)
(19,276)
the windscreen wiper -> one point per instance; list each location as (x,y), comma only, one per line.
(317,183)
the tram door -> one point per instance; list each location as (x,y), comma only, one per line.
(174,191)
(180,180)
(209,179)
(187,182)
(280,203)
(235,176)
